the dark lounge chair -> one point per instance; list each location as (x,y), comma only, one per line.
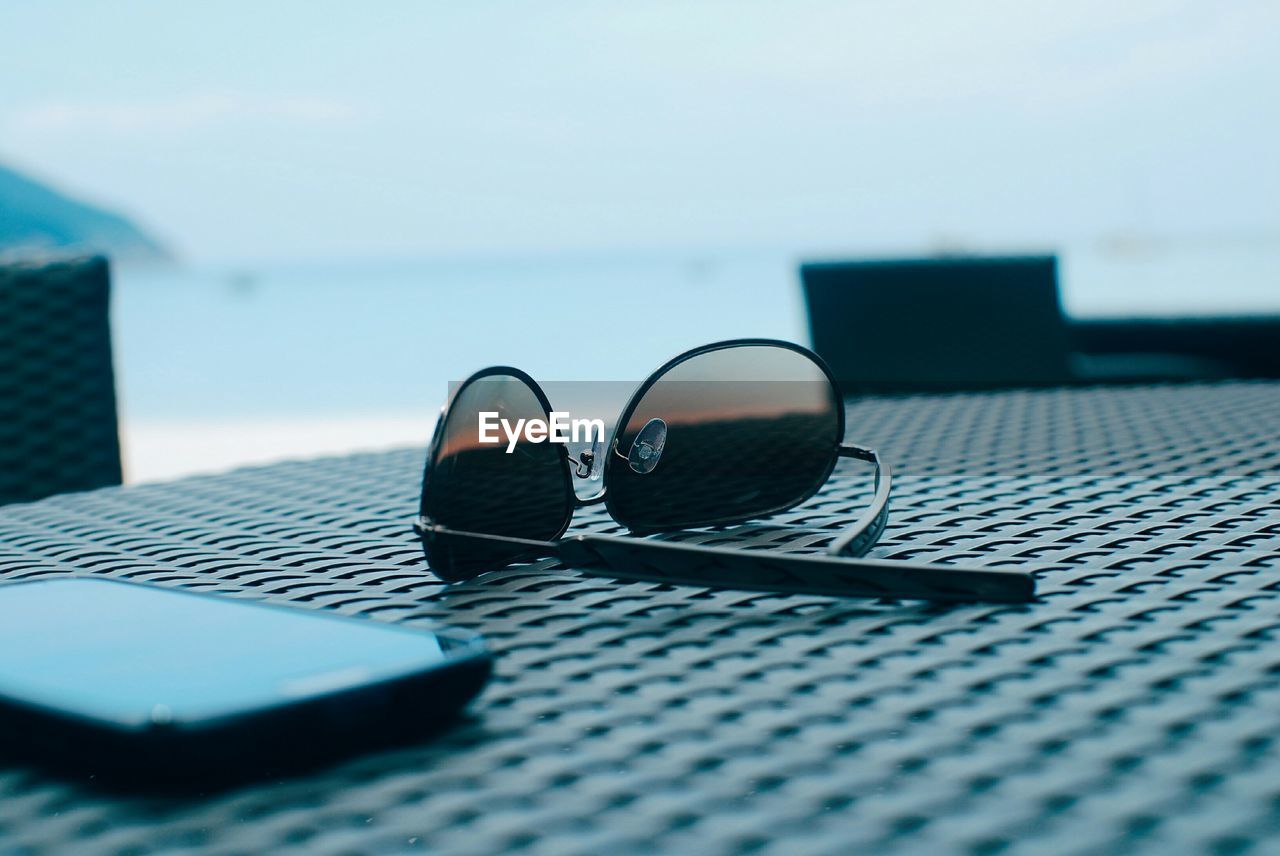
(58,429)
(903,325)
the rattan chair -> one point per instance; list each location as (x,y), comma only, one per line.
(58,428)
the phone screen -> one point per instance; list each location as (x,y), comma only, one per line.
(137,654)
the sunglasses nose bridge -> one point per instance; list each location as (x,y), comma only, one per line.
(588,464)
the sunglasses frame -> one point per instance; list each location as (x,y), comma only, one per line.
(841,572)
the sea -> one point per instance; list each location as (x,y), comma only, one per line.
(224,366)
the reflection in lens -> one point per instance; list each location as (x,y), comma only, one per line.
(749,430)
(476,487)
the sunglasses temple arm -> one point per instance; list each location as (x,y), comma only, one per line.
(863,534)
(841,573)
(638,560)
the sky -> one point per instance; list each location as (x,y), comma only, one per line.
(254,132)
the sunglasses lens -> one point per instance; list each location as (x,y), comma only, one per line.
(520,491)
(723,436)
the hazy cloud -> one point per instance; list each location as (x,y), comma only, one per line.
(187,112)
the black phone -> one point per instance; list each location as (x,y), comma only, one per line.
(137,684)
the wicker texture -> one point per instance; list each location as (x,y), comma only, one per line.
(57,388)
(1135,707)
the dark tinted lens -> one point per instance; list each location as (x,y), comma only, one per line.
(481,487)
(726,435)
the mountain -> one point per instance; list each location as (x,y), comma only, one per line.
(37,218)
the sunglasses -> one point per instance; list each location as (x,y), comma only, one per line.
(720,435)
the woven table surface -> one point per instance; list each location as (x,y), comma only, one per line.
(1135,705)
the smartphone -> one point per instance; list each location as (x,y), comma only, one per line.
(137,684)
